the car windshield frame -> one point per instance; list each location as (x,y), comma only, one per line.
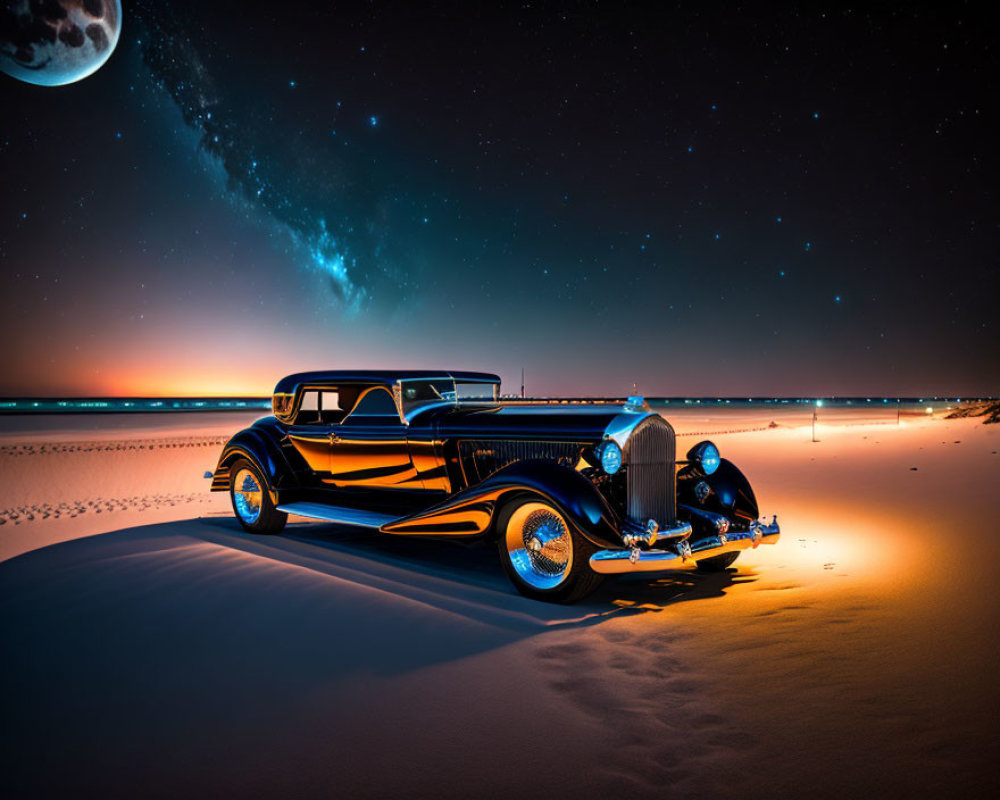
(434,392)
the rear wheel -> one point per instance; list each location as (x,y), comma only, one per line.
(252,500)
(544,557)
(717,563)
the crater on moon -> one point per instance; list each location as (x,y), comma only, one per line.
(54,42)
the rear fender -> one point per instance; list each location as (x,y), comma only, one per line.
(474,510)
(253,445)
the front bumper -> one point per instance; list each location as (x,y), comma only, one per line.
(684,553)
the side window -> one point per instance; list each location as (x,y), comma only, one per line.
(308,409)
(330,403)
(376,408)
(320,407)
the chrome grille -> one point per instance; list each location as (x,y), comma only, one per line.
(649,458)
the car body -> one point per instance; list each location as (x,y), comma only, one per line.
(570,493)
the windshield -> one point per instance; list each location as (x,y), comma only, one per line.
(418,393)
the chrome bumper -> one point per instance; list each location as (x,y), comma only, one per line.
(635,534)
(617,562)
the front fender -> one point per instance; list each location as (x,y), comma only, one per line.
(731,493)
(473,510)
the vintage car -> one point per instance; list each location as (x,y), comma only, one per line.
(570,493)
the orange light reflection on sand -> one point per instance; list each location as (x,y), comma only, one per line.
(866,546)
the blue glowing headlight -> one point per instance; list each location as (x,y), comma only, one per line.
(705,456)
(610,456)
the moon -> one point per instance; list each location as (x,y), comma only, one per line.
(55,42)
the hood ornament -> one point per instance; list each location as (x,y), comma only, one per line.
(636,404)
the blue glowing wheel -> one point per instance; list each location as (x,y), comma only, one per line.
(541,553)
(251,500)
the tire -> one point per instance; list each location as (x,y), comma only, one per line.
(556,570)
(717,563)
(252,504)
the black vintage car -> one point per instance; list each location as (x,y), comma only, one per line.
(570,493)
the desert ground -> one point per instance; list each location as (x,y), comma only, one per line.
(153,649)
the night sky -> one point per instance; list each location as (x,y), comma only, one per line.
(703,200)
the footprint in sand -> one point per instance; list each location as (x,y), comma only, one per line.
(562,651)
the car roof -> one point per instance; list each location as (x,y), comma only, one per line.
(384,377)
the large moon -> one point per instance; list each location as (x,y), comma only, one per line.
(53,42)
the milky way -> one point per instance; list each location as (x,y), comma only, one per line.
(315,223)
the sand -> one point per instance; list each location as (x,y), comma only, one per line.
(154,649)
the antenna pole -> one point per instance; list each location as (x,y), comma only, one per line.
(522,383)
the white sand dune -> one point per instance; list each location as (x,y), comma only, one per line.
(856,658)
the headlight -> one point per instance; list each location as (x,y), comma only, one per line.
(704,456)
(610,456)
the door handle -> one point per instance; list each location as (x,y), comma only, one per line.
(334,438)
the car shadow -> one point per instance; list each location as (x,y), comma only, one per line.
(462,579)
(474,567)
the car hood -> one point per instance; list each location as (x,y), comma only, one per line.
(556,422)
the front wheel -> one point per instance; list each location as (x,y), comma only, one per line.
(252,500)
(544,557)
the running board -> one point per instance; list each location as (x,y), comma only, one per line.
(344,516)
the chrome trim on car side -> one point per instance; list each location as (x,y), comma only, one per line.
(345,516)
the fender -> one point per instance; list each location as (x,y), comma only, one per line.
(473,510)
(255,445)
(731,493)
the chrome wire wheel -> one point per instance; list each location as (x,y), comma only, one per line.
(248,496)
(539,545)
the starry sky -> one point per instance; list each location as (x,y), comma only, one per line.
(702,199)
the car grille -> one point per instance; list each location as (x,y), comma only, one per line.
(649,458)
(482,457)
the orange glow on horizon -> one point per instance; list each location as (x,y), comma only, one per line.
(201,382)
